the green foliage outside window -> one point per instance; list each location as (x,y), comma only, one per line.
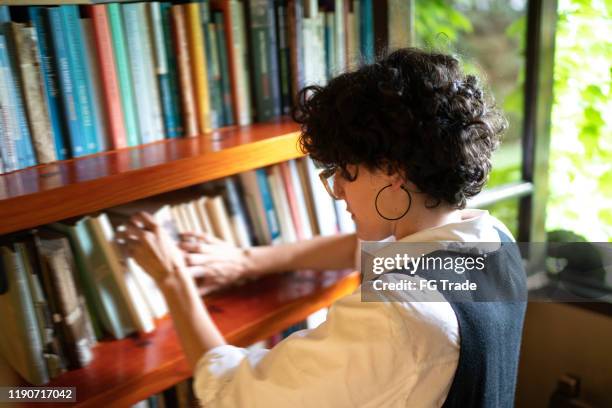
(580,177)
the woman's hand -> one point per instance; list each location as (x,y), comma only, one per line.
(153,248)
(214,262)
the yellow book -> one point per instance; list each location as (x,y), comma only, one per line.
(198,64)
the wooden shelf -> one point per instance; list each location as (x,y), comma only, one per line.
(51,192)
(126,371)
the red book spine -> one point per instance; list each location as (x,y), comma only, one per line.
(110,84)
(292,198)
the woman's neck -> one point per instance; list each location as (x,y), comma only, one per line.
(426,219)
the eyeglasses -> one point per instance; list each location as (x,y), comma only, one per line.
(328,178)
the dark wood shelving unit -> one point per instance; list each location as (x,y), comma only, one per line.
(126,371)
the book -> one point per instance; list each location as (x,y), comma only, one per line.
(20,343)
(366,30)
(162,70)
(57,266)
(281,205)
(235,34)
(8,119)
(109,80)
(92,66)
(26,44)
(124,77)
(76,54)
(295,22)
(284,55)
(264,59)
(296,199)
(226,88)
(188,103)
(323,204)
(220,219)
(213,66)
(166,21)
(135,37)
(20,132)
(46,56)
(199,64)
(237,213)
(104,300)
(115,259)
(78,146)
(52,351)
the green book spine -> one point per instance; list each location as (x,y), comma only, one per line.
(20,342)
(123,73)
(226,87)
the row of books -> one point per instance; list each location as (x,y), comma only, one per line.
(81,80)
(70,284)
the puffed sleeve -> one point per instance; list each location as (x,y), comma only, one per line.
(355,358)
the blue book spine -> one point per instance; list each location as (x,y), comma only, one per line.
(266,196)
(21,134)
(49,75)
(172,71)
(366,31)
(7,117)
(76,57)
(71,120)
(133,36)
(226,88)
(161,65)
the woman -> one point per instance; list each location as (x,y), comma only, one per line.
(404,142)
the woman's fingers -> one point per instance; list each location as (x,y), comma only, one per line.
(197,247)
(200,237)
(146,220)
(203,259)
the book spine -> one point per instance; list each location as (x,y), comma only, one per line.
(7,113)
(21,135)
(184,68)
(268,203)
(236,213)
(255,207)
(260,59)
(300,198)
(123,74)
(147,46)
(292,200)
(226,86)
(199,68)
(133,36)
(92,66)
(49,80)
(108,76)
(76,56)
(366,30)
(161,69)
(65,81)
(25,48)
(330,49)
(166,19)
(273,62)
(240,58)
(284,57)
(27,357)
(281,207)
(214,74)
(220,219)
(295,22)
(339,36)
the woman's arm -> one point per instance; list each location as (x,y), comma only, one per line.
(319,253)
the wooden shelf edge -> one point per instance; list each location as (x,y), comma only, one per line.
(122,185)
(177,369)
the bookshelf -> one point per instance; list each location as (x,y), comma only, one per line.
(55,191)
(126,371)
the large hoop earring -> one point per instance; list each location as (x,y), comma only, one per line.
(404,213)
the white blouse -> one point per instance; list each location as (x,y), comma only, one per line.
(366,354)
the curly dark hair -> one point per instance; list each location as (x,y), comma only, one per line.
(412,111)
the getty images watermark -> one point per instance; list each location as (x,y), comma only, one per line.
(486,271)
